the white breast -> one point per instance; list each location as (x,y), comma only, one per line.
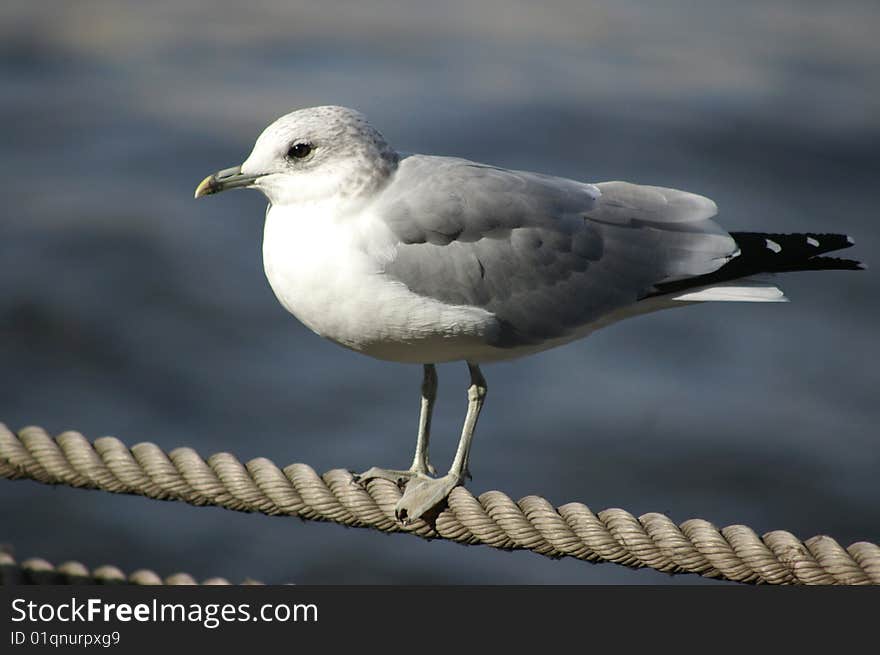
(326,268)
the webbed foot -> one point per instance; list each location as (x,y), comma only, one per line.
(423,493)
(400,478)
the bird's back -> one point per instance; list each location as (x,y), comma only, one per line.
(546,256)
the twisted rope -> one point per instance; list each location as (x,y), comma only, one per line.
(493,519)
(38,571)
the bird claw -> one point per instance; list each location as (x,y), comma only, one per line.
(422,494)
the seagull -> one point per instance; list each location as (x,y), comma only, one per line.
(425,259)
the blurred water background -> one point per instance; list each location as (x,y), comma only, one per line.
(126,308)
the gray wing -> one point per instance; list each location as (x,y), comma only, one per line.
(545,255)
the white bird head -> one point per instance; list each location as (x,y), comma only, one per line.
(310,155)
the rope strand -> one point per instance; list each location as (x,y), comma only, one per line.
(492,519)
(38,571)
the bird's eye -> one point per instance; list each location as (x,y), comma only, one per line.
(299,150)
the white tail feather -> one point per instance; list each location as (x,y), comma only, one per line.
(733,293)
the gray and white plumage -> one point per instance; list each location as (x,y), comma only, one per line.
(545,256)
(429,259)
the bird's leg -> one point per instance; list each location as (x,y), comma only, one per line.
(421,465)
(429,395)
(476,398)
(423,493)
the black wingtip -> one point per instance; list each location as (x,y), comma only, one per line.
(767,252)
(831,264)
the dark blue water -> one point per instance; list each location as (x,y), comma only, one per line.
(126,308)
